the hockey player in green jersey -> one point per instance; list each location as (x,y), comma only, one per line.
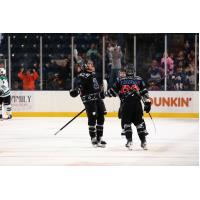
(5,98)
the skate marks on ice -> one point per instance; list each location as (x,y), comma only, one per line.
(30,141)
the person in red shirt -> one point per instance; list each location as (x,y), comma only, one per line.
(28,78)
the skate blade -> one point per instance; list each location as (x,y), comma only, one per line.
(145,148)
(2,119)
(130,148)
(101,145)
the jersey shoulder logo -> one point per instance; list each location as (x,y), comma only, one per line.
(95,84)
(84,75)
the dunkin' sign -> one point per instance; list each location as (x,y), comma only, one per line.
(171,101)
(175,101)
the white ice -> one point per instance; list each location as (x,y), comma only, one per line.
(31,141)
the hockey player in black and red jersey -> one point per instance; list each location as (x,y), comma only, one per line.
(131,89)
(87,86)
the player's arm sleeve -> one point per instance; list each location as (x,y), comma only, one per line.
(143,91)
(114,90)
(78,83)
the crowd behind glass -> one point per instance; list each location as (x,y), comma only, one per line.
(24,53)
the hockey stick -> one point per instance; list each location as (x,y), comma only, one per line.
(153,122)
(69,121)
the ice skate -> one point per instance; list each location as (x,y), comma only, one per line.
(144,145)
(129,145)
(94,142)
(9,117)
(101,143)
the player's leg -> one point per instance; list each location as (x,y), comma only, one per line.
(126,117)
(7,104)
(140,125)
(92,117)
(119,116)
(101,111)
(122,126)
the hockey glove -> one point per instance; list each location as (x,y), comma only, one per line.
(74,93)
(102,95)
(147,106)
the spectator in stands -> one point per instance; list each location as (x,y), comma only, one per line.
(152,85)
(116,55)
(54,82)
(181,60)
(187,48)
(190,73)
(28,77)
(2,65)
(170,63)
(191,56)
(108,61)
(15,85)
(180,80)
(155,73)
(92,53)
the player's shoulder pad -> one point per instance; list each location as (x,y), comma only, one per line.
(84,75)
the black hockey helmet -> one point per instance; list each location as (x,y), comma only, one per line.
(130,70)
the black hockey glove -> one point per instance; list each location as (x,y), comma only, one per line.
(74,93)
(147,106)
(102,95)
(111,93)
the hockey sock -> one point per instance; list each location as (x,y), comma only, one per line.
(92,131)
(99,131)
(128,131)
(141,129)
(0,109)
(8,109)
(142,138)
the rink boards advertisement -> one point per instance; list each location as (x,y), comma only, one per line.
(59,103)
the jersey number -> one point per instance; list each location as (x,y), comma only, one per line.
(127,88)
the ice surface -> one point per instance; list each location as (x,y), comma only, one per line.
(31,141)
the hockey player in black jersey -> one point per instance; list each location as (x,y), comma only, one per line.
(91,95)
(130,90)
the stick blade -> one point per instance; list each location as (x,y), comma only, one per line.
(56,132)
(105,85)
